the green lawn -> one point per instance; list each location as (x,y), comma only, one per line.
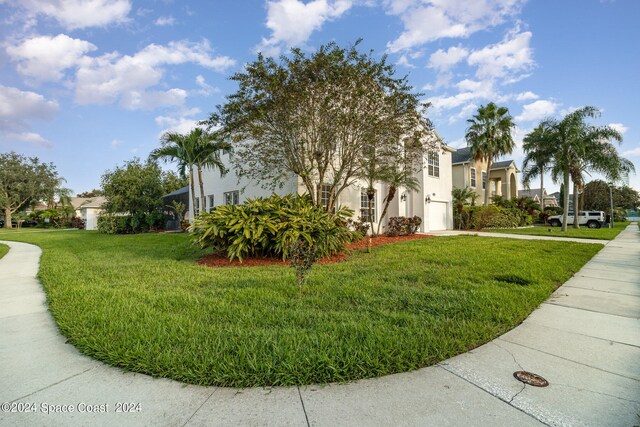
(3,250)
(140,303)
(580,233)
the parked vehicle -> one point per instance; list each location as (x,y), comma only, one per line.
(592,219)
(14,223)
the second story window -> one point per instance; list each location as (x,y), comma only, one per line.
(484,180)
(433,164)
(473,177)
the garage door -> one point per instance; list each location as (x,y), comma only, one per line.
(437,216)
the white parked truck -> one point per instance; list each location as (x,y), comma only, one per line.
(592,219)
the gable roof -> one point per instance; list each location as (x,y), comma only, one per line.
(463,155)
(502,164)
(88,202)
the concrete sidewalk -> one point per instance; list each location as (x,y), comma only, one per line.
(585,341)
(513,236)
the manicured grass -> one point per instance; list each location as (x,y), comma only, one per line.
(580,233)
(140,303)
(3,250)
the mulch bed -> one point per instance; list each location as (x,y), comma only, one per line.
(220,260)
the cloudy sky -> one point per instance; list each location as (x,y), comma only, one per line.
(88,84)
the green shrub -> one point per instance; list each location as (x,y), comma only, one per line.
(130,224)
(480,217)
(403,226)
(270,226)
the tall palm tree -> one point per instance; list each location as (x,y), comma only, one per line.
(489,136)
(176,147)
(581,148)
(538,148)
(207,151)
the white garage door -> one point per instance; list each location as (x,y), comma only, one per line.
(437,216)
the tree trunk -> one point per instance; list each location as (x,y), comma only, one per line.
(371,194)
(202,199)
(565,202)
(487,187)
(576,207)
(390,195)
(7,218)
(193,192)
(542,189)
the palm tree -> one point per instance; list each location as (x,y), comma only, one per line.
(207,151)
(460,198)
(489,135)
(580,148)
(179,148)
(537,147)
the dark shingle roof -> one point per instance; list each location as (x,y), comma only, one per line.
(178,191)
(461,155)
(502,164)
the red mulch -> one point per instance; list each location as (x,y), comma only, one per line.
(219,260)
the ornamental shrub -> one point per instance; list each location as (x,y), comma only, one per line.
(403,226)
(271,226)
(480,217)
(129,224)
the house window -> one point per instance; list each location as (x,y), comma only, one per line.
(211,204)
(433,164)
(325,192)
(197,204)
(473,177)
(484,180)
(231,197)
(364,206)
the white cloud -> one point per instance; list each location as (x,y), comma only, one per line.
(17,109)
(164,21)
(404,62)
(526,96)
(113,77)
(619,127)
(205,88)
(442,60)
(634,152)
(76,14)
(537,110)
(292,21)
(469,91)
(428,20)
(44,58)
(181,123)
(28,137)
(511,56)
(116,143)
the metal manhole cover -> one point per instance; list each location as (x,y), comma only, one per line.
(530,378)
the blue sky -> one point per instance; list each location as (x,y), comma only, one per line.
(88,84)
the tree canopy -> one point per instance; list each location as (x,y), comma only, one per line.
(316,116)
(133,188)
(23,181)
(596,196)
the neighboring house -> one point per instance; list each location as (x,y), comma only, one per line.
(433,203)
(181,195)
(468,172)
(88,208)
(548,199)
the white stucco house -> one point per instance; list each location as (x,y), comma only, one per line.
(88,208)
(433,203)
